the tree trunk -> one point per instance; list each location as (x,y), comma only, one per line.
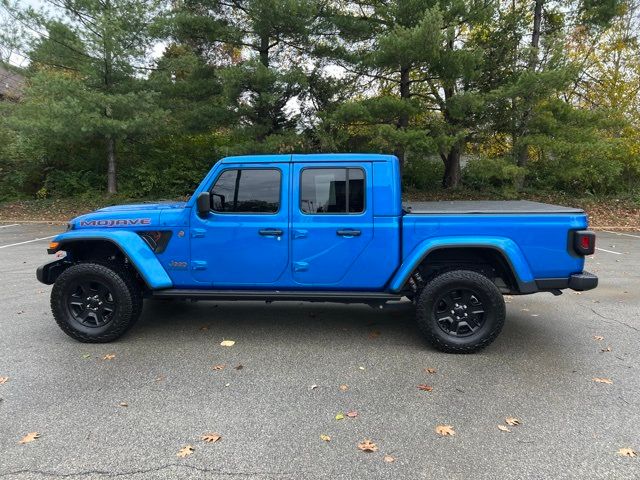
(112,186)
(403,120)
(451,178)
(522,151)
(264,50)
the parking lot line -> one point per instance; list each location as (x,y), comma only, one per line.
(12,225)
(601,249)
(28,241)
(620,233)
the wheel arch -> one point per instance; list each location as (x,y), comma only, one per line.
(135,251)
(500,253)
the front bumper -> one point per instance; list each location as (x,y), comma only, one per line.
(48,272)
(577,281)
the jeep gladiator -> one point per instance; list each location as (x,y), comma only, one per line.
(321,227)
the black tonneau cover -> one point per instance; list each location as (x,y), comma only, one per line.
(485,207)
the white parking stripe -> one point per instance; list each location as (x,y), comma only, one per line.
(601,249)
(28,241)
(625,234)
(16,224)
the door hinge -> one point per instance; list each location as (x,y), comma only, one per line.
(198,265)
(300,266)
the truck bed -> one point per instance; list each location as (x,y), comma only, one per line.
(485,207)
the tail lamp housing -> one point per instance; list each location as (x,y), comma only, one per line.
(584,242)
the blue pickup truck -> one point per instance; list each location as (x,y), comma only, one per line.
(325,227)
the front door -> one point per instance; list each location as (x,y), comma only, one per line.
(332,222)
(244,240)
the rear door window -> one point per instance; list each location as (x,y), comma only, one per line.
(332,190)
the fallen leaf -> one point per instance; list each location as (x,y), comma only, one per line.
(603,380)
(445,430)
(29,437)
(123,404)
(227,343)
(340,416)
(513,421)
(204,328)
(627,452)
(344,388)
(425,388)
(211,437)
(313,387)
(389,459)
(239,367)
(598,337)
(503,428)
(430,370)
(352,414)
(374,334)
(325,438)
(185,451)
(368,446)
(603,350)
(109,356)
(161,378)
(86,355)
(218,367)
(3,380)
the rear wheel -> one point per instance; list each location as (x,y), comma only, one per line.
(94,303)
(460,311)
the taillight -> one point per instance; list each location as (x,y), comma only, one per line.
(584,242)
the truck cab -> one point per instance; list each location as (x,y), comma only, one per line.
(320,227)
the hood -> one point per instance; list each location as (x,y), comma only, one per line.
(131,216)
(143,206)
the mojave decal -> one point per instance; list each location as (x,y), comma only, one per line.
(122,222)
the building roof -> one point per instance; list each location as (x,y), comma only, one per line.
(11,83)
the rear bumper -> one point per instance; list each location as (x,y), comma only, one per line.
(578,281)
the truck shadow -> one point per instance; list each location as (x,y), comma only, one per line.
(340,325)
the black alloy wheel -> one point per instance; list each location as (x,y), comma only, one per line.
(460,311)
(95,303)
(90,303)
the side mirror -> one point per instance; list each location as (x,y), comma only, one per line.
(204,204)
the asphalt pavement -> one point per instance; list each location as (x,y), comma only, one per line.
(125,409)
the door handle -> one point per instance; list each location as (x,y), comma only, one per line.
(348,233)
(271,232)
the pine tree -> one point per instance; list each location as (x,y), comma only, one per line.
(87,74)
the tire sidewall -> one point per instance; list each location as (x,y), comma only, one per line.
(488,294)
(94,272)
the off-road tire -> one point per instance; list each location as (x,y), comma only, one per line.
(126,298)
(491,301)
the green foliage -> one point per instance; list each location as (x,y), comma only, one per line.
(434,82)
(423,174)
(497,172)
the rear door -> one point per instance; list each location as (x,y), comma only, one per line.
(332,220)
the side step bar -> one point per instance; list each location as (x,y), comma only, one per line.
(273,295)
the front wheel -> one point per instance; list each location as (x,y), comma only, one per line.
(460,311)
(94,303)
